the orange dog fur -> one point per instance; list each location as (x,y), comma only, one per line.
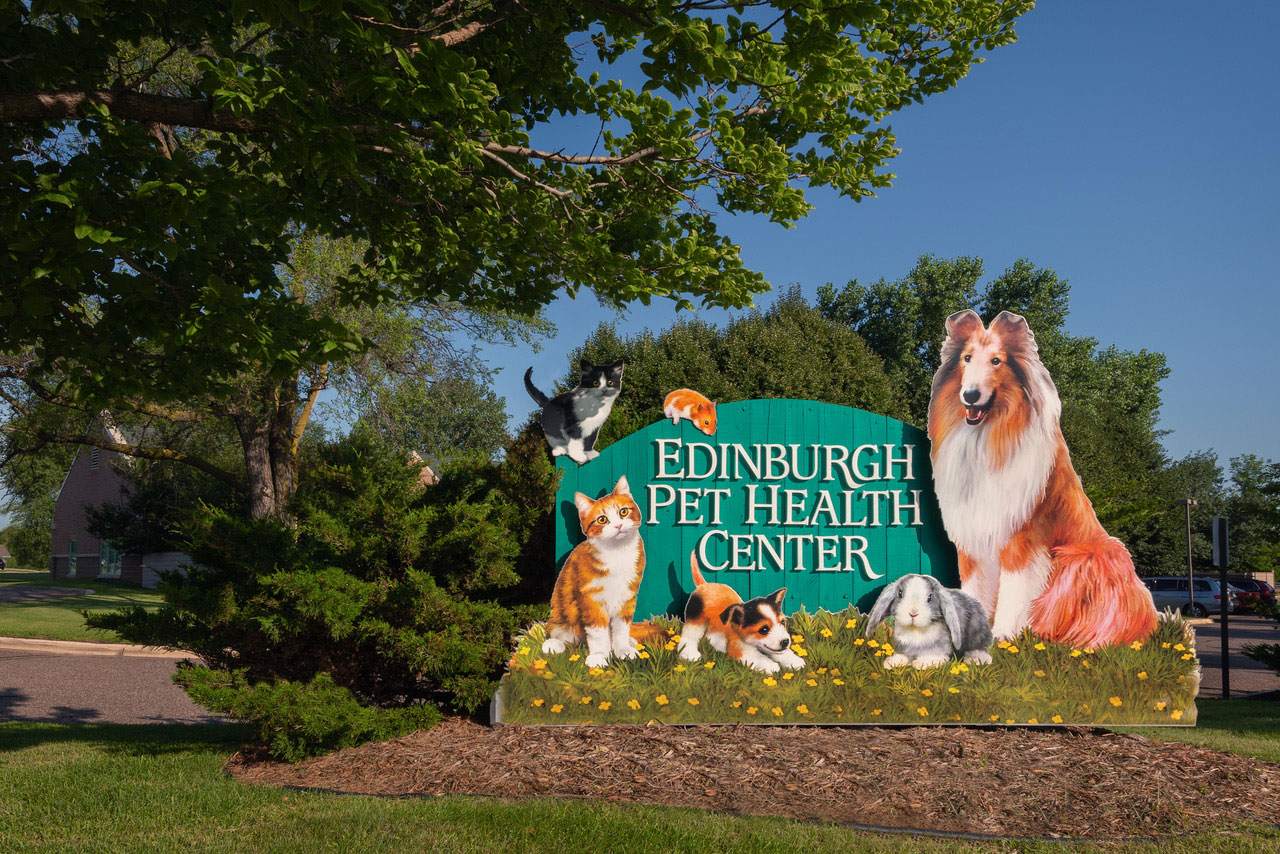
(1031,549)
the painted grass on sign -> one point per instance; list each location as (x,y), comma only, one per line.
(1029,681)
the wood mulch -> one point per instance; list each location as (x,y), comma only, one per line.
(1006,782)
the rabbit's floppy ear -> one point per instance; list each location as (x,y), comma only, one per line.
(950,614)
(882,606)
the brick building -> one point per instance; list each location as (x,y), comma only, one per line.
(94,479)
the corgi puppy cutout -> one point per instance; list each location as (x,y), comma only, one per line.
(752,632)
(687,403)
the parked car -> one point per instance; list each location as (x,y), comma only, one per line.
(1171,592)
(1251,588)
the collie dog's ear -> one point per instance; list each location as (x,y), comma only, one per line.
(963,323)
(1008,324)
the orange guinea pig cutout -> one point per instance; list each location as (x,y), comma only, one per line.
(687,403)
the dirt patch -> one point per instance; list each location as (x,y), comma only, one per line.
(1009,782)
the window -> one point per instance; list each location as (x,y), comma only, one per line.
(93,458)
(108,560)
(1166,584)
(71,558)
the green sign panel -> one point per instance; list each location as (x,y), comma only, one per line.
(830,502)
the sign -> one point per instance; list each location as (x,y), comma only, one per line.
(827,501)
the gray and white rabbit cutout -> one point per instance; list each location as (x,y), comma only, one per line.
(931,623)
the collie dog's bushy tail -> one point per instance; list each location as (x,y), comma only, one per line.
(1094,598)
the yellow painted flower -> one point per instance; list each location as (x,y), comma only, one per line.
(797,638)
(1142,674)
(675,638)
(538,702)
(751,710)
(1013,649)
(670,632)
(802,709)
(586,701)
(1003,645)
(574,657)
(693,701)
(1032,721)
(708,665)
(670,646)
(1057,719)
(826,633)
(557,709)
(839,710)
(679,668)
(873,644)
(964,668)
(859,641)
(837,681)
(1164,645)
(835,671)
(661,699)
(1117,702)
(770,681)
(1075,653)
(1179,647)
(1039,673)
(851,623)
(642,654)
(605,706)
(596,671)
(524,650)
(995,718)
(812,683)
(875,712)
(800,651)
(1186,656)
(788,675)
(822,670)
(777,710)
(1176,714)
(1136,645)
(887,647)
(926,692)
(953,690)
(1010,720)
(539,664)
(954,671)
(1041,647)
(1086,664)
(1160,706)
(633,704)
(737,704)
(922,712)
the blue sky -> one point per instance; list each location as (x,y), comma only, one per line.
(1130,147)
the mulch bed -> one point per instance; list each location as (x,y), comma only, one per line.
(1005,782)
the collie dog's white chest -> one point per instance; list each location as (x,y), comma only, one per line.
(983,504)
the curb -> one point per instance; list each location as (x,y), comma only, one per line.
(121,650)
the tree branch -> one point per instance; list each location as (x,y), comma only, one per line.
(163,454)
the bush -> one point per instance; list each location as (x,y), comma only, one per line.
(373,610)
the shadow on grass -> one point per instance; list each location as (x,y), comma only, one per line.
(128,739)
(1261,716)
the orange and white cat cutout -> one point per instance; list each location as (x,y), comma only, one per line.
(595,593)
(687,403)
(752,632)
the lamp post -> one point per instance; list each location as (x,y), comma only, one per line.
(1191,586)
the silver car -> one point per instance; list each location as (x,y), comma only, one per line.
(1170,591)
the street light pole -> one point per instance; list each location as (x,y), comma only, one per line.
(1191,585)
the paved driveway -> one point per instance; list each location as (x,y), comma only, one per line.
(1247,675)
(71,688)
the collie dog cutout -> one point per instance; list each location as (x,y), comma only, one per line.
(1031,549)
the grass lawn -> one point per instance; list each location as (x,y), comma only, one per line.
(56,619)
(117,788)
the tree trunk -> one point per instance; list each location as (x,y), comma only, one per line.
(270,456)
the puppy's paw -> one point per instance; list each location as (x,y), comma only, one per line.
(929,661)
(625,652)
(789,660)
(597,659)
(554,646)
(978,656)
(689,652)
(764,665)
(896,660)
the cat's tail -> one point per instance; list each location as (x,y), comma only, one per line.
(698,580)
(646,632)
(538,397)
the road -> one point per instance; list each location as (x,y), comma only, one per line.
(71,688)
(1247,675)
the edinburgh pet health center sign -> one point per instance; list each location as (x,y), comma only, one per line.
(827,501)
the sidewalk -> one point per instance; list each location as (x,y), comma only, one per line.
(124,650)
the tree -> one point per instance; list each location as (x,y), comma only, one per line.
(159,163)
(789,350)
